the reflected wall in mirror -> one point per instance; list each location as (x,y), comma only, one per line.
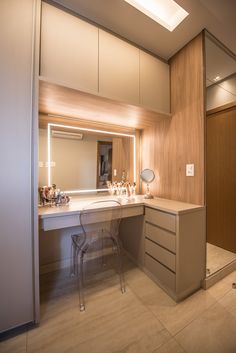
(80,159)
(220,73)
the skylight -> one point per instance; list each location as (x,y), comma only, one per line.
(166,12)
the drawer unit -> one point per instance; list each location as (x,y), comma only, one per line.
(161,219)
(162,274)
(175,249)
(160,254)
(160,236)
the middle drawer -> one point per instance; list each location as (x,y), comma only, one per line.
(160,254)
(161,236)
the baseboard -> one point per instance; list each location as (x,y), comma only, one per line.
(12,332)
(218,275)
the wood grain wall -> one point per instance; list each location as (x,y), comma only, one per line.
(176,141)
(221,178)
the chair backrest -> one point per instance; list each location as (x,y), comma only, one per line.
(101,215)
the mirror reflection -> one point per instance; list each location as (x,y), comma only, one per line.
(220,73)
(220,156)
(84,160)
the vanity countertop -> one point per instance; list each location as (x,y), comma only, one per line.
(77,203)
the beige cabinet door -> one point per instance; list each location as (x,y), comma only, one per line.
(154,83)
(69,50)
(118,69)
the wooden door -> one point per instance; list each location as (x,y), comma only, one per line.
(221,179)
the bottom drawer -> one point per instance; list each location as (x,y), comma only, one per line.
(166,277)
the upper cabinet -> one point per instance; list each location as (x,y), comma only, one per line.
(69,50)
(118,69)
(154,83)
(78,55)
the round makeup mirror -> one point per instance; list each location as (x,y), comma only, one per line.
(147,176)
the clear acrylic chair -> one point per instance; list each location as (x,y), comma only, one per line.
(99,220)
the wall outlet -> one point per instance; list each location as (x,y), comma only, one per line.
(189,169)
(115,172)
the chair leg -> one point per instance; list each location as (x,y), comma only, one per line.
(120,265)
(72,260)
(81,280)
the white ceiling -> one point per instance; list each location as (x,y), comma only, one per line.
(217,16)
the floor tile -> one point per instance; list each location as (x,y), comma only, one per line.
(213,332)
(16,344)
(229,302)
(112,322)
(170,347)
(222,287)
(174,316)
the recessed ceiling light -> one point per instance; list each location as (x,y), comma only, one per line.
(217,78)
(166,12)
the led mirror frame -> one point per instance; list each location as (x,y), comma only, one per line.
(91,130)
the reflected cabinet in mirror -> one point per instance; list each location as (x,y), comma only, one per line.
(79,159)
(220,73)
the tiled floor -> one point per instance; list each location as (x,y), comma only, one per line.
(217,258)
(143,320)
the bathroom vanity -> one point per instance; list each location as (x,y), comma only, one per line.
(163,237)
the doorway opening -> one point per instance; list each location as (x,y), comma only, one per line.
(104,163)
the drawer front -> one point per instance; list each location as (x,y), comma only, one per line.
(160,254)
(161,219)
(166,277)
(161,236)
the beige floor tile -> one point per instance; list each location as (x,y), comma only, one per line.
(212,332)
(112,322)
(222,287)
(170,347)
(174,316)
(14,345)
(229,302)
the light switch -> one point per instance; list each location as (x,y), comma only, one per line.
(189,169)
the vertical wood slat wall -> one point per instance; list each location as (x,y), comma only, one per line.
(176,141)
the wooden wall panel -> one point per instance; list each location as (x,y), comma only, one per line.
(221,179)
(179,140)
(122,158)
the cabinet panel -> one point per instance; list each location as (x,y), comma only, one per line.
(166,277)
(154,83)
(69,49)
(118,69)
(160,236)
(160,254)
(161,219)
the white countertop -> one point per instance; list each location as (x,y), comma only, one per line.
(77,203)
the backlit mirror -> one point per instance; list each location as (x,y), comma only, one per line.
(83,160)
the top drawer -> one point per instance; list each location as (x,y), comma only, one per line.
(161,219)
